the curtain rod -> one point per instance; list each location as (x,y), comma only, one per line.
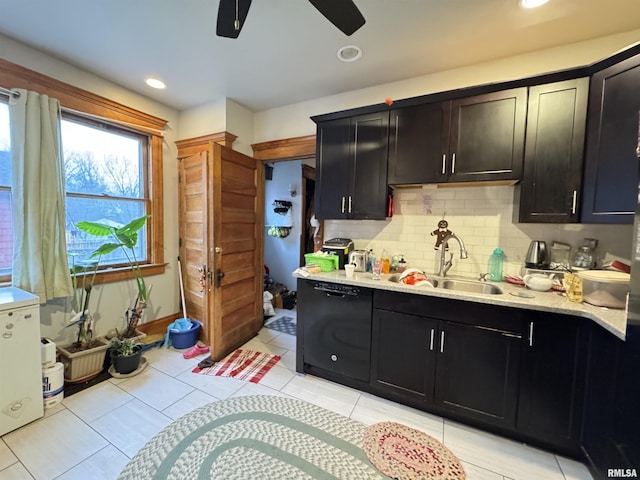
(9,91)
(153,131)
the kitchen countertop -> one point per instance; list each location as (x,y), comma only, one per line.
(613,320)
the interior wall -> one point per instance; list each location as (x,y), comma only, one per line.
(293,120)
(109,302)
(481,216)
(203,120)
(282,255)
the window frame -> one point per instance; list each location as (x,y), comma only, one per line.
(82,104)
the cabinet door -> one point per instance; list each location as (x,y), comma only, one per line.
(419,144)
(611,166)
(477,372)
(553,380)
(487,136)
(552,176)
(403,356)
(368,196)
(332,168)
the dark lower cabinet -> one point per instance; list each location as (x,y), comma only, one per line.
(553,380)
(611,431)
(477,372)
(515,372)
(403,356)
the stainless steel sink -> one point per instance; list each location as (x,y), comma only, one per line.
(396,279)
(470,286)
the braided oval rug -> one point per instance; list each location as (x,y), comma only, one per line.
(256,437)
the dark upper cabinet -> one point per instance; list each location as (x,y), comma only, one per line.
(332,168)
(487,136)
(554,380)
(477,138)
(550,190)
(418,144)
(351,166)
(611,166)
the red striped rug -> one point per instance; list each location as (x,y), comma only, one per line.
(244,365)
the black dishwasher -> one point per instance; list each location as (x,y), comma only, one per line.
(336,327)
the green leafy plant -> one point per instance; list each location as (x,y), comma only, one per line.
(83,275)
(126,239)
(124,347)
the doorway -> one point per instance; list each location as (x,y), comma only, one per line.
(289,235)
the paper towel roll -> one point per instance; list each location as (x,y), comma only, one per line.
(53,384)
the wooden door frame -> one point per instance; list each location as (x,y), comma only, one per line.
(295,148)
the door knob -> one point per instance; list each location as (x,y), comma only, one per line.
(219,276)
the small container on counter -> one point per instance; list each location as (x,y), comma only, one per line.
(604,288)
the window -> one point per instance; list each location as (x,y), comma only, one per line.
(105,169)
(6,240)
(113,165)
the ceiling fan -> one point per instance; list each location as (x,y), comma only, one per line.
(342,13)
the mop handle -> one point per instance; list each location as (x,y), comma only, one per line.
(184,306)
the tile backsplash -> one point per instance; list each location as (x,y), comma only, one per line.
(482,216)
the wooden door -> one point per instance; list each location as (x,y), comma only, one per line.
(236,250)
(195,194)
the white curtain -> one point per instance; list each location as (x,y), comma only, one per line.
(38,196)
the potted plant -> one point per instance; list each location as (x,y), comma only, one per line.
(126,354)
(84,358)
(125,238)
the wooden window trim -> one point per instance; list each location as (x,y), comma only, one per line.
(83,102)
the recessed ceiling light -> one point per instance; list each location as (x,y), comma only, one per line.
(349,53)
(155,83)
(532,3)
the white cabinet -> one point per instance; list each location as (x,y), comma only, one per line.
(21,370)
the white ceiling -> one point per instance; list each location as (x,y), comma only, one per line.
(286,52)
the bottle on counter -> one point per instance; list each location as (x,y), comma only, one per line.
(371,260)
(386,263)
(495,265)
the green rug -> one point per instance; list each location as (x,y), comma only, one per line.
(256,438)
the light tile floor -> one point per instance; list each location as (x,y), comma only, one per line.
(94,433)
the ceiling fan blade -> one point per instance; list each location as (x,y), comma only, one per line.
(231,17)
(342,13)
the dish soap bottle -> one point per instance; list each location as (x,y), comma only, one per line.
(495,265)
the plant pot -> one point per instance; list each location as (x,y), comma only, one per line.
(186,338)
(85,364)
(128,364)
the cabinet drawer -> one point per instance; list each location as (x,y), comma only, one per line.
(460,311)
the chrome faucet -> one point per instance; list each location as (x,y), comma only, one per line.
(445,265)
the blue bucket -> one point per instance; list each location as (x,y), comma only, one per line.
(185,338)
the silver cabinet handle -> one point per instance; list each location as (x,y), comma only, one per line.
(442,341)
(444,163)
(349,203)
(575,199)
(531,334)
(453,163)
(342,209)
(433,334)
